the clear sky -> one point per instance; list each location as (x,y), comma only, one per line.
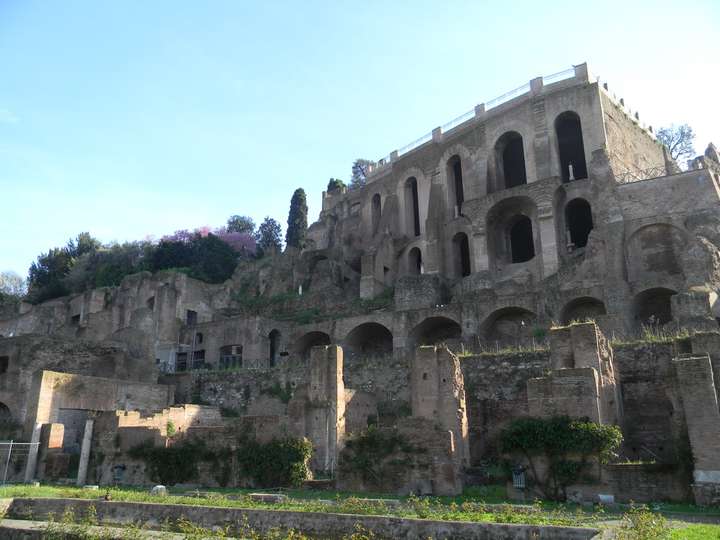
(134,118)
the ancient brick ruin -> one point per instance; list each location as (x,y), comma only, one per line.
(541,255)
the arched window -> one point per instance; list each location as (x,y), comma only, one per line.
(455,184)
(461,247)
(412,205)
(570,146)
(415,265)
(522,247)
(653,306)
(376,210)
(579,222)
(274,338)
(510,160)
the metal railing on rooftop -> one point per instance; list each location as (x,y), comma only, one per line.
(641,174)
(507,96)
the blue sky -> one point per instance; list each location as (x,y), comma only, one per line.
(135,118)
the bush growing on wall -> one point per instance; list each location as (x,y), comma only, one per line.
(564,443)
(279,463)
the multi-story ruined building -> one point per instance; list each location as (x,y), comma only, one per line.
(548,205)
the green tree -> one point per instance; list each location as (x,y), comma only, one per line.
(297,220)
(335,184)
(565,444)
(678,140)
(268,236)
(241,224)
(359,172)
(214,261)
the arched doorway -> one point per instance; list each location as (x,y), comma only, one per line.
(582,309)
(461,251)
(371,339)
(522,245)
(510,160)
(653,307)
(308,341)
(413,206)
(571,149)
(376,212)
(415,265)
(437,330)
(579,221)
(510,326)
(455,184)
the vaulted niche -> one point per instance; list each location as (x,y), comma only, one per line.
(571,149)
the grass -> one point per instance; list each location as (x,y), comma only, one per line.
(697,532)
(466,508)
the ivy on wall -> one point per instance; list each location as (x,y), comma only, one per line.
(564,444)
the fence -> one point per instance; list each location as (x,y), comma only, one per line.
(14,456)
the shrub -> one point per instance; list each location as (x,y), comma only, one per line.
(641,524)
(566,444)
(279,463)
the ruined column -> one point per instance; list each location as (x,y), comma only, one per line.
(85,452)
(548,241)
(438,394)
(700,403)
(325,412)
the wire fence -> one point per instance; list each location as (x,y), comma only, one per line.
(641,174)
(14,457)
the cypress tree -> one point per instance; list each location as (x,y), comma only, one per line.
(297,220)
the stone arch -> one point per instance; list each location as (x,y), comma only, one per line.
(653,306)
(274,353)
(412,206)
(509,326)
(434,330)
(309,340)
(461,255)
(415,262)
(455,186)
(581,309)
(510,161)
(579,223)
(512,236)
(571,149)
(375,213)
(370,338)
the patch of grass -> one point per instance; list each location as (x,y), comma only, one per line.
(697,532)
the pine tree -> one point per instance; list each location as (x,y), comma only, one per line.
(268,236)
(297,220)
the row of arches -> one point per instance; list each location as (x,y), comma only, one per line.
(509,325)
(507,169)
(511,236)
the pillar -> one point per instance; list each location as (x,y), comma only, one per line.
(548,240)
(85,452)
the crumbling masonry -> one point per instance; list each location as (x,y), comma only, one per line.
(496,236)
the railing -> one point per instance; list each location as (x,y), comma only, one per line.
(457,121)
(629,177)
(559,76)
(507,96)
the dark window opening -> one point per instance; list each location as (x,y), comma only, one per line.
(511,155)
(570,146)
(150,303)
(415,262)
(411,200)
(198,359)
(190,317)
(654,307)
(75,320)
(456,183)
(181,361)
(369,339)
(198,338)
(376,211)
(522,247)
(462,254)
(578,217)
(274,347)
(231,357)
(4,363)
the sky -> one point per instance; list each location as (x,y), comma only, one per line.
(133,119)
